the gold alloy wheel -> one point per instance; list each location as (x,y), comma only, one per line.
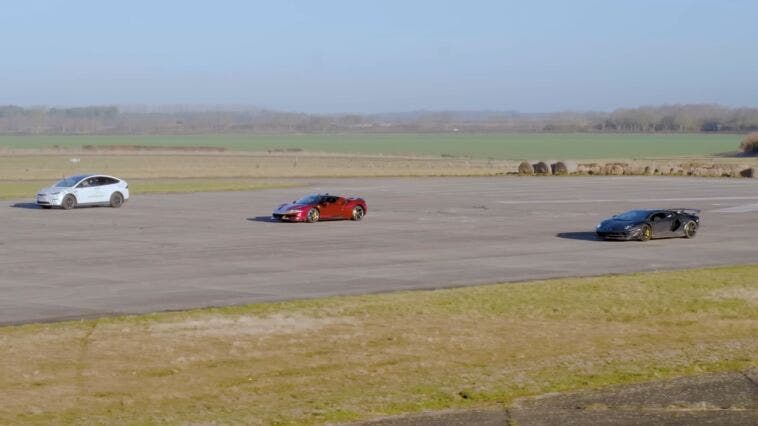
(690,229)
(647,233)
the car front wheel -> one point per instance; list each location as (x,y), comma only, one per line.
(312,216)
(646,234)
(358,213)
(690,229)
(117,200)
(69,202)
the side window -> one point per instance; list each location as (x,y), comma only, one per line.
(86,183)
(657,217)
(107,181)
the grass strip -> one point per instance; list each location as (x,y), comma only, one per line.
(349,358)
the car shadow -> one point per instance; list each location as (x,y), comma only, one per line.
(32,206)
(266,219)
(584,236)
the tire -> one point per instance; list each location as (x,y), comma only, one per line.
(69,202)
(646,234)
(117,200)
(358,213)
(312,216)
(690,229)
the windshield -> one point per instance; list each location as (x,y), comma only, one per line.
(309,199)
(632,215)
(69,181)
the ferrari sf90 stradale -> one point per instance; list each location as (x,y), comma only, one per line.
(315,207)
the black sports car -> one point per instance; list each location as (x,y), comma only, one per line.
(644,225)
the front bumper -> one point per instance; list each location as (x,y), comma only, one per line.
(631,234)
(292,217)
(48,200)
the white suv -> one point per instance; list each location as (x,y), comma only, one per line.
(82,190)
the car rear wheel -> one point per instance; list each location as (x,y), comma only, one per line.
(69,202)
(358,213)
(117,200)
(312,216)
(646,234)
(690,229)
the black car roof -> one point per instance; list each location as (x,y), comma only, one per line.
(650,211)
(643,210)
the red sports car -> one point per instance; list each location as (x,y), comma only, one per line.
(315,207)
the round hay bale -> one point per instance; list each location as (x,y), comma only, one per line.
(749,144)
(589,168)
(541,168)
(614,169)
(525,169)
(559,168)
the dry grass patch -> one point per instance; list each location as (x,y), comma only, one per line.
(45,165)
(347,358)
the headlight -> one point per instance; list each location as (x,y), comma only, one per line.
(54,193)
(292,212)
(599,226)
(627,227)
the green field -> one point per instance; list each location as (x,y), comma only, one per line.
(495,146)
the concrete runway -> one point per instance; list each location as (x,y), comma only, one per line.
(166,252)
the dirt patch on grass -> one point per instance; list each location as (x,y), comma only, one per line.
(219,325)
(749,295)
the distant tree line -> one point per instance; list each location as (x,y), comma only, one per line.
(181,120)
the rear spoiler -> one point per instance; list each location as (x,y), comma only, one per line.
(688,211)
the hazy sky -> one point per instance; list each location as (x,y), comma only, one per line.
(383,55)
